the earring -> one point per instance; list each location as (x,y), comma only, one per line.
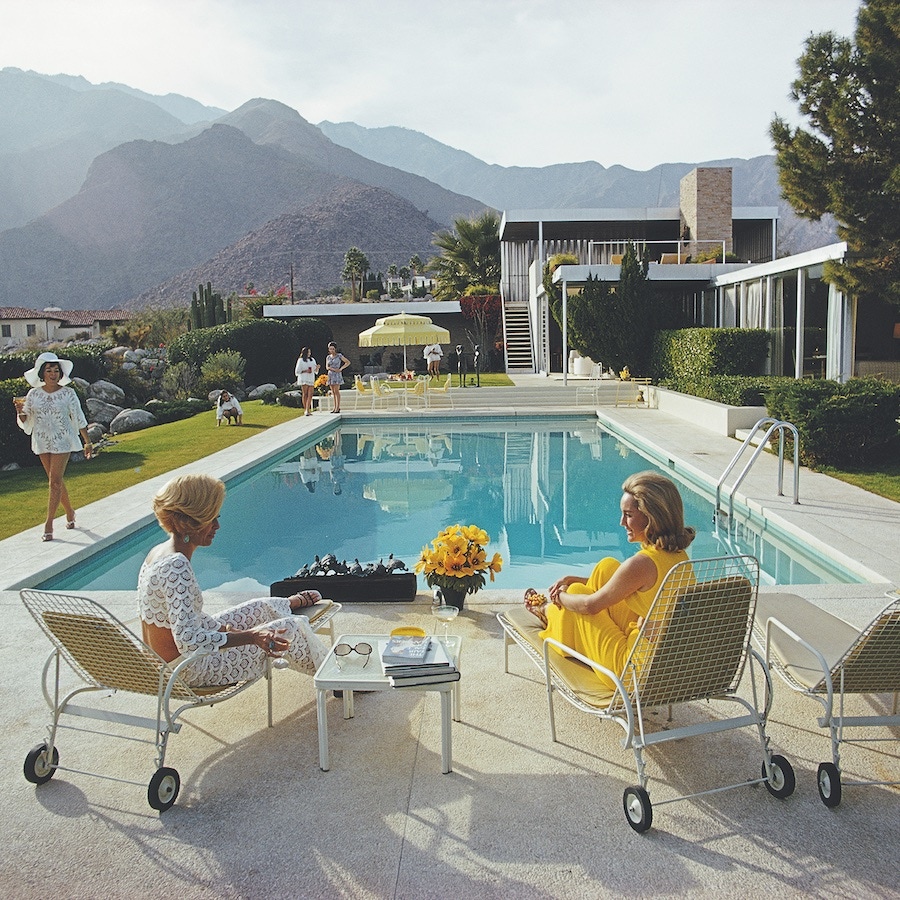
(187,538)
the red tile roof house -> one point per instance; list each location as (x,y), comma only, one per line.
(18,325)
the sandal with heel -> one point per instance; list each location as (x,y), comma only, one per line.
(47,536)
(536,603)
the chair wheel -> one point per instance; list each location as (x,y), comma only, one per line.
(782,783)
(828,781)
(163,788)
(638,809)
(38,768)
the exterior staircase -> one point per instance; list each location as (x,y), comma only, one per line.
(518,340)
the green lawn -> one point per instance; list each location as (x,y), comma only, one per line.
(884,482)
(134,458)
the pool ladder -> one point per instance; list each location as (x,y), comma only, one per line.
(772,425)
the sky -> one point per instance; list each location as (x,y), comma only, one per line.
(513,82)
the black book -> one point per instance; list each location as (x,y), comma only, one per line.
(416,680)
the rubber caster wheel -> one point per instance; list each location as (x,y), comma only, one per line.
(638,809)
(783,782)
(163,788)
(38,768)
(828,782)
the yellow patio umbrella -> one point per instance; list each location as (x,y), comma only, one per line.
(403,330)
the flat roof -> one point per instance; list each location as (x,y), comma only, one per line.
(385,308)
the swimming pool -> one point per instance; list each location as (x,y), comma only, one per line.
(547,492)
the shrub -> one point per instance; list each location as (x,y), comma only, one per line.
(223,370)
(700,352)
(89,361)
(174,410)
(180,381)
(735,390)
(15,445)
(269,346)
(844,425)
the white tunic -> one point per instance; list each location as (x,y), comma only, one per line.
(53,420)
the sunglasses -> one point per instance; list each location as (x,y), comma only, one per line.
(363,649)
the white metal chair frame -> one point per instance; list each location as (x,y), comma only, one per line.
(828,673)
(591,388)
(108,657)
(693,645)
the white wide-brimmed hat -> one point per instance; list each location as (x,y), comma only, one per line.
(34,379)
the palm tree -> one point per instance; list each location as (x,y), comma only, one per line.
(355,267)
(469,255)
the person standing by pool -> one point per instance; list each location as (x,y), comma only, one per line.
(433,355)
(600,616)
(170,602)
(306,371)
(335,363)
(51,413)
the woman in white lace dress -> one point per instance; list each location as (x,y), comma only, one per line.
(51,413)
(171,604)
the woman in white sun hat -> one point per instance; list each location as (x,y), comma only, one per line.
(51,413)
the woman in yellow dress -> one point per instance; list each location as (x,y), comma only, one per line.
(600,616)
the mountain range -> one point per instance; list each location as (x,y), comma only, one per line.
(110,196)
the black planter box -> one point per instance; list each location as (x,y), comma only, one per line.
(397,588)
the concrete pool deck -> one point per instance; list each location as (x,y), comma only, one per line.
(519,816)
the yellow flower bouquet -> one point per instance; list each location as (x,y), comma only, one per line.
(321,385)
(457,559)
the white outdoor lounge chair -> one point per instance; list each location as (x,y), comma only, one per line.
(591,388)
(444,392)
(828,659)
(108,657)
(694,645)
(360,390)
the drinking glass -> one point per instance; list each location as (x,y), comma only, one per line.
(445,614)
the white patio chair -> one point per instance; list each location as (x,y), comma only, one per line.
(590,389)
(444,392)
(828,659)
(694,645)
(106,656)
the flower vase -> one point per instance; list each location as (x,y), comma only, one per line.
(454,597)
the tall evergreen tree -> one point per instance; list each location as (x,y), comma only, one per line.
(614,323)
(847,162)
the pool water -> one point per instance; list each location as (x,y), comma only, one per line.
(547,492)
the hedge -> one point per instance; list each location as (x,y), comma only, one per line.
(89,361)
(701,352)
(735,390)
(843,425)
(269,346)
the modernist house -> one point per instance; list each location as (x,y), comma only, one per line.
(18,325)
(817,328)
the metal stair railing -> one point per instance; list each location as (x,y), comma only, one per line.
(773,425)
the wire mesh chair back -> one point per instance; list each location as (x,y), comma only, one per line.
(872,664)
(695,639)
(99,648)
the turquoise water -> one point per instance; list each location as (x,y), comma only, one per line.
(547,493)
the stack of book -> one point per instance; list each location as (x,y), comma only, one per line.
(413,661)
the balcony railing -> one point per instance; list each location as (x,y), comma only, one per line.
(611,252)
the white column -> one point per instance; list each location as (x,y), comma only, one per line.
(565,332)
(801,319)
(839,336)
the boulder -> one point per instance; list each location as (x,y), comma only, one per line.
(107,392)
(116,352)
(104,413)
(81,383)
(95,432)
(261,391)
(132,420)
(132,356)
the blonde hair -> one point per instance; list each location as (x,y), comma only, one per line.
(658,499)
(188,503)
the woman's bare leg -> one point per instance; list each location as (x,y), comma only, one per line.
(55,466)
(336,396)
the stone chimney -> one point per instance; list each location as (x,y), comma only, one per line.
(706,209)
